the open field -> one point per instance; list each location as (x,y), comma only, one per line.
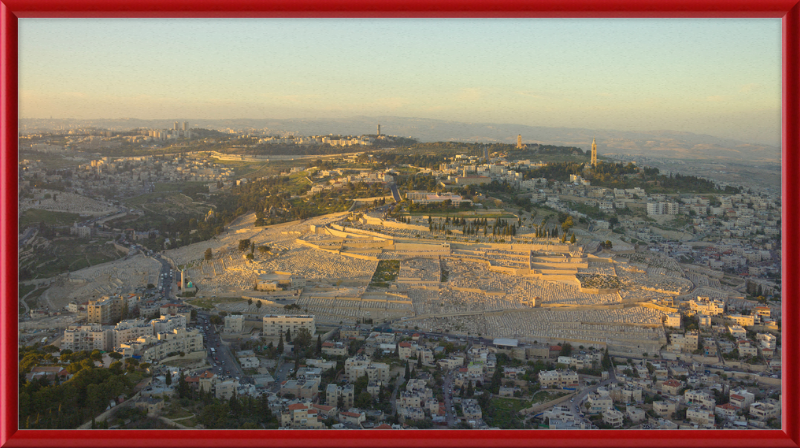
(44,258)
(385,273)
(506,410)
(25,289)
(161,187)
(59,201)
(48,217)
(52,161)
(120,276)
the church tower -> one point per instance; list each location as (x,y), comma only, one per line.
(519,141)
(594,152)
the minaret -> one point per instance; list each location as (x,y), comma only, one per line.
(594,152)
(379,130)
(183,278)
(519,141)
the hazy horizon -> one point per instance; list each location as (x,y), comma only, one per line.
(719,77)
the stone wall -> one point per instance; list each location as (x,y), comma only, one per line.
(547,404)
(653,306)
(599,290)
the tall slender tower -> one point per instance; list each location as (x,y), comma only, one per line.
(183,278)
(594,152)
(519,141)
(379,130)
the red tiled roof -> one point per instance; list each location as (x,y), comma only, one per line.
(405,344)
(297,406)
(350,414)
(323,407)
(672,383)
(206,374)
(728,406)
(555,347)
(736,397)
(383,426)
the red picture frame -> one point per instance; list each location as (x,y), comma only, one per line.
(787,10)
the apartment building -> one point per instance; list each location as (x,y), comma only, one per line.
(105,311)
(275,325)
(300,416)
(700,416)
(558,379)
(131,330)
(88,337)
(156,348)
(763,411)
(699,398)
(234,324)
(707,306)
(167,323)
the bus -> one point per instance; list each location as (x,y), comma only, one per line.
(212,350)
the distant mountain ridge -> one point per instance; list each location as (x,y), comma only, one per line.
(658,143)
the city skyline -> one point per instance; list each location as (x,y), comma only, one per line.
(716,77)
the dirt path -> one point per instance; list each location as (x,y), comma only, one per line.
(25,304)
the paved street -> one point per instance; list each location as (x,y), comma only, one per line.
(221,358)
(448,399)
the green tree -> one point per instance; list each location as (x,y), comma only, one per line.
(208,254)
(183,387)
(302,340)
(116,368)
(606,362)
(567,224)
(319,344)
(280,345)
(168,379)
(360,385)
(363,400)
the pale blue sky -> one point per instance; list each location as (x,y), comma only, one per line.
(719,77)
